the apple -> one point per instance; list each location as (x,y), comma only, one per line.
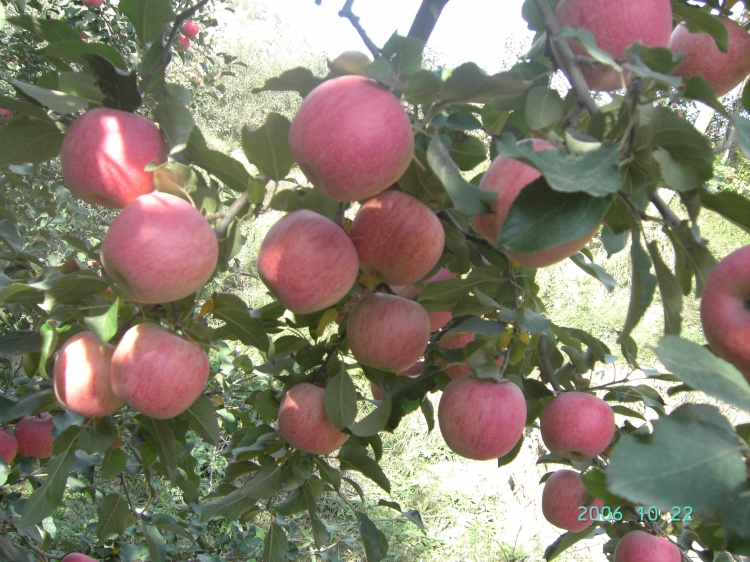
(438,318)
(190,29)
(507,177)
(577,426)
(157,372)
(413,371)
(398,238)
(481,419)
(388,332)
(351,138)
(93,3)
(307,261)
(700,55)
(81,376)
(5,114)
(304,424)
(562,497)
(615,26)
(77,557)
(8,445)
(377,393)
(34,435)
(724,309)
(184,42)
(104,155)
(639,546)
(159,249)
(455,339)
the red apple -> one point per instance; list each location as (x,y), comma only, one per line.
(105,153)
(184,42)
(34,435)
(388,332)
(191,29)
(307,261)
(77,557)
(615,26)
(304,424)
(455,339)
(562,497)
(413,371)
(159,249)
(351,138)
(5,114)
(398,238)
(481,419)
(577,426)
(8,445)
(157,372)
(93,3)
(724,311)
(81,376)
(377,394)
(507,177)
(639,546)
(700,55)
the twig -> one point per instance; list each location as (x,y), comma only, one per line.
(665,211)
(37,550)
(346,12)
(547,363)
(230,214)
(426,18)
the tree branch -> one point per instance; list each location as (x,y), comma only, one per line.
(546,362)
(664,210)
(426,19)
(346,12)
(230,214)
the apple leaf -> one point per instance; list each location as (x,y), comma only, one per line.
(373,539)
(730,205)
(300,80)
(265,482)
(177,123)
(267,147)
(275,544)
(160,434)
(404,53)
(691,251)
(470,84)
(240,324)
(373,422)
(149,17)
(702,370)
(202,416)
(29,140)
(113,517)
(47,29)
(742,125)
(355,457)
(566,540)
(699,21)
(104,326)
(642,283)
(586,39)
(341,400)
(72,50)
(422,87)
(229,171)
(596,271)
(232,507)
(669,288)
(736,514)
(544,107)
(468,153)
(120,87)
(698,88)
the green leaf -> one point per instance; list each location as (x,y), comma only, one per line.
(298,79)
(736,514)
(104,326)
(642,285)
(267,147)
(160,434)
(373,539)
(692,250)
(149,17)
(469,83)
(177,123)
(71,287)
(586,39)
(113,517)
(697,88)
(699,21)
(375,421)
(566,540)
(265,483)
(730,205)
(10,237)
(240,323)
(355,457)
(468,153)
(422,87)
(155,541)
(120,87)
(202,416)
(57,101)
(275,544)
(73,50)
(227,170)
(702,370)
(742,125)
(404,53)
(46,29)
(341,400)
(29,140)
(328,474)
(544,107)
(231,507)
(669,288)
(18,343)
(596,271)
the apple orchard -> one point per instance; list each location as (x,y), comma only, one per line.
(404,265)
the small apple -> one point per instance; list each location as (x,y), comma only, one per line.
(577,426)
(304,424)
(639,546)
(104,155)
(455,339)
(562,497)
(77,557)
(398,238)
(159,249)
(93,3)
(725,312)
(157,372)
(8,445)
(700,55)
(351,138)
(191,29)
(507,177)
(481,419)
(184,42)
(388,332)
(615,26)
(81,376)
(307,261)
(5,114)
(34,435)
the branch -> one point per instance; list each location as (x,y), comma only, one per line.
(346,12)
(549,370)
(665,211)
(426,18)
(230,214)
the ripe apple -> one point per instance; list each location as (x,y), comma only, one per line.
(455,339)
(304,424)
(351,138)
(388,332)
(413,371)
(93,3)
(577,426)
(77,557)
(481,419)
(507,177)
(724,310)
(615,26)
(190,29)
(81,376)
(157,372)
(184,42)
(639,546)
(8,445)
(700,55)
(562,496)
(398,238)
(5,114)
(307,261)
(34,435)
(104,154)
(438,318)
(159,249)
(377,393)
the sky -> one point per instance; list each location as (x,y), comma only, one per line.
(468,30)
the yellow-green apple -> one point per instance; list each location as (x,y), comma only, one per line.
(105,153)
(351,138)
(78,557)
(563,496)
(81,376)
(190,29)
(455,339)
(388,332)
(157,372)
(507,177)
(577,426)
(34,435)
(700,55)
(725,309)
(307,261)
(398,238)
(639,546)
(481,419)
(8,445)
(438,318)
(5,114)
(615,26)
(304,424)
(159,249)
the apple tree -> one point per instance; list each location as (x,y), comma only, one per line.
(408,261)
